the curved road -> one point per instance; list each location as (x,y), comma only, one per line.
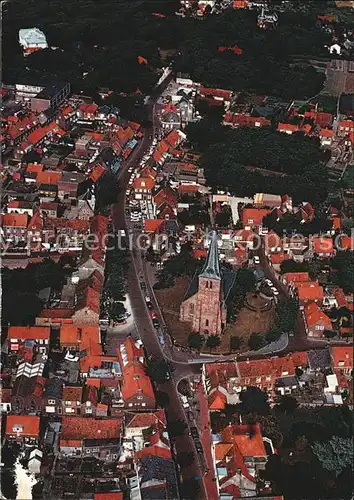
(147,332)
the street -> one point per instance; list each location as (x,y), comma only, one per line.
(142,320)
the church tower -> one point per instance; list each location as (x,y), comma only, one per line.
(208,308)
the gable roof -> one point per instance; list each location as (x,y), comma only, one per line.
(29,423)
(314,316)
(90,428)
(309,291)
(247,438)
(322,245)
(255,215)
(29,332)
(342,357)
(136,382)
(297,277)
(14,220)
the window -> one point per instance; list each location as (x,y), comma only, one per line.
(210,285)
(67,403)
(140,397)
(88,410)
(130,404)
(207,284)
(51,401)
(206,322)
(258,380)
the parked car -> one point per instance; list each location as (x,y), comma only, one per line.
(156,323)
(153,314)
(256,259)
(274,290)
(269,282)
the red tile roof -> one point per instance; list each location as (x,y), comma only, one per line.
(118,495)
(223,94)
(217,400)
(152,225)
(136,382)
(287,127)
(29,423)
(34,168)
(86,336)
(71,393)
(297,277)
(90,428)
(14,220)
(155,450)
(144,183)
(248,445)
(145,420)
(254,216)
(342,357)
(48,177)
(97,173)
(314,316)
(347,242)
(324,132)
(29,332)
(309,291)
(277,258)
(188,188)
(166,194)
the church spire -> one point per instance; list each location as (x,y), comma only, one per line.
(211,267)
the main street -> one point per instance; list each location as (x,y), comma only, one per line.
(143,323)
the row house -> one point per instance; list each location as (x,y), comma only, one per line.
(18,335)
(20,128)
(239,454)
(245,120)
(20,207)
(100,438)
(216,97)
(252,218)
(23,429)
(27,393)
(316,321)
(14,227)
(345,127)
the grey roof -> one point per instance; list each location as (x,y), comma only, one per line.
(54,387)
(211,268)
(319,359)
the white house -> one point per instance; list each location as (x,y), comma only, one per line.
(32,39)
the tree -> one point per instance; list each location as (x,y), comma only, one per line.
(254,400)
(195,340)
(287,404)
(213,341)
(159,370)
(343,263)
(176,428)
(256,341)
(329,333)
(162,399)
(117,311)
(235,342)
(185,458)
(336,454)
(273,334)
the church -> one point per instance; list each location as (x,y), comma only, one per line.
(204,304)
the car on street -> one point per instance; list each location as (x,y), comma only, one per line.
(153,314)
(130,169)
(161,340)
(194,433)
(199,447)
(256,259)
(127,192)
(274,290)
(268,282)
(156,323)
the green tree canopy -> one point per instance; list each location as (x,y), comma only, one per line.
(195,340)
(336,454)
(254,400)
(213,341)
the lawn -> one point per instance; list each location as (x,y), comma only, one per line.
(169,301)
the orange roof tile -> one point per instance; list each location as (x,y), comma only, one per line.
(147,419)
(29,423)
(297,277)
(94,382)
(221,450)
(14,220)
(90,428)
(342,357)
(277,258)
(326,132)
(152,225)
(86,336)
(347,242)
(309,291)
(29,332)
(254,216)
(136,382)
(248,445)
(157,451)
(144,183)
(217,400)
(96,173)
(287,127)
(48,177)
(71,393)
(315,316)
(34,168)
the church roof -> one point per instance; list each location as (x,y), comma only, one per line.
(211,268)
